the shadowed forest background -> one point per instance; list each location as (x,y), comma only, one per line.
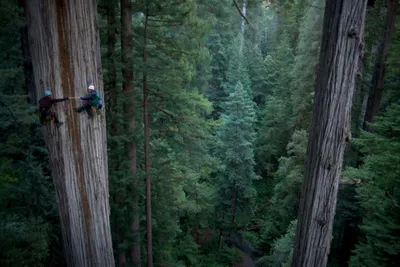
(229,107)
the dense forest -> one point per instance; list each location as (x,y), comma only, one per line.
(224,133)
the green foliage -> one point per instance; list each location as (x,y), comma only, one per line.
(29,225)
(275,124)
(378,192)
(25,242)
(305,63)
(282,249)
(236,152)
(288,180)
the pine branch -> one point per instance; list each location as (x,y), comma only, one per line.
(165,21)
(240,12)
(169,113)
(350,181)
(156,94)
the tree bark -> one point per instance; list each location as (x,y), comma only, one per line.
(375,96)
(147,147)
(233,209)
(65,49)
(340,53)
(129,110)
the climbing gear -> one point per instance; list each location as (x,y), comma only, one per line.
(96,101)
(96,110)
(91,87)
(47,92)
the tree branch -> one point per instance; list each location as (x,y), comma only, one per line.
(240,12)
(169,113)
(1,101)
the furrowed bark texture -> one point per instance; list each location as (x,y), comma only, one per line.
(340,53)
(129,110)
(65,50)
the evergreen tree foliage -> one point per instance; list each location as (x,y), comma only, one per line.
(378,192)
(225,108)
(29,224)
(282,208)
(305,63)
(237,69)
(282,249)
(235,182)
(180,135)
(274,130)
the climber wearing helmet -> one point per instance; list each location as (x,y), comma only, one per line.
(92,100)
(45,104)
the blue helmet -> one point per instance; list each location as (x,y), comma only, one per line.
(47,92)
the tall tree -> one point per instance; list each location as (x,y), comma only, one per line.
(149,223)
(65,51)
(374,100)
(330,130)
(305,64)
(379,244)
(129,110)
(237,131)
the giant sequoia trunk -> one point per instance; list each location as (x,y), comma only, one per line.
(341,50)
(65,52)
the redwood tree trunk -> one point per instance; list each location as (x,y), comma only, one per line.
(147,148)
(65,50)
(129,110)
(375,96)
(341,50)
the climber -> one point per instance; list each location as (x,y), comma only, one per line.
(45,104)
(92,101)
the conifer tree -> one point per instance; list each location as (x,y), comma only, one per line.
(305,64)
(180,136)
(130,113)
(66,57)
(287,181)
(325,148)
(275,122)
(236,180)
(378,192)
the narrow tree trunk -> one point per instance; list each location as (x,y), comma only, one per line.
(340,53)
(28,68)
(121,253)
(129,110)
(112,95)
(220,235)
(375,96)
(243,25)
(111,42)
(65,49)
(233,209)
(147,147)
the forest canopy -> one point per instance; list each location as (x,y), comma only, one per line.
(183,133)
